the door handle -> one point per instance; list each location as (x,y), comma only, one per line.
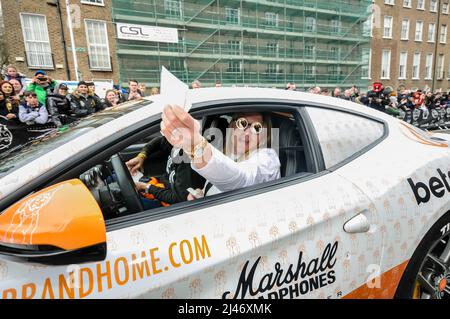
(357,224)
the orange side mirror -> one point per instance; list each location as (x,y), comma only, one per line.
(61,218)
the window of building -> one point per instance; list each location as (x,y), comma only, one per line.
(310,51)
(333,70)
(37,43)
(440,67)
(273,48)
(93,2)
(433,5)
(177,65)
(173,8)
(402,65)
(405,30)
(367,27)
(407,3)
(232,15)
(421,4)
(273,68)
(336,26)
(445,8)
(431,32)
(235,47)
(386,64)
(443,34)
(416,66)
(272,19)
(98,47)
(310,70)
(234,66)
(387,27)
(390,2)
(429,67)
(310,24)
(419,27)
(334,51)
(366,63)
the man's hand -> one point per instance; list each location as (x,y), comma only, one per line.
(135,164)
(11,116)
(141,187)
(180,128)
(192,197)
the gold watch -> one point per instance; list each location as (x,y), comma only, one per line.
(199,149)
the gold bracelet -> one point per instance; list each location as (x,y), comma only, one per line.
(142,155)
(198,149)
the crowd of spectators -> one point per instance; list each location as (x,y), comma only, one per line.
(44,104)
(387,100)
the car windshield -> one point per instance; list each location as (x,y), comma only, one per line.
(14,159)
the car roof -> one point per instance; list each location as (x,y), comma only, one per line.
(241,93)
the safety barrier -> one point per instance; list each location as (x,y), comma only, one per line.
(438,118)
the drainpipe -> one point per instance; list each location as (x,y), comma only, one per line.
(63,38)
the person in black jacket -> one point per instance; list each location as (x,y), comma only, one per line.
(82,103)
(99,103)
(58,106)
(178,177)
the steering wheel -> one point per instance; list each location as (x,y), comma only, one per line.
(126,184)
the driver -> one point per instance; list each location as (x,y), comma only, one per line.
(171,187)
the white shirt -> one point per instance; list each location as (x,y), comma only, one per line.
(263,165)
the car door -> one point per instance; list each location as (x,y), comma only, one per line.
(347,140)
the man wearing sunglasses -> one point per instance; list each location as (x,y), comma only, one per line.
(249,160)
(41,85)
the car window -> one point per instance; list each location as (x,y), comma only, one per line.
(14,159)
(157,167)
(342,134)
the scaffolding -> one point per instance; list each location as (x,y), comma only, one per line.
(249,43)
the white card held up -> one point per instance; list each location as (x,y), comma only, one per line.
(137,176)
(174,91)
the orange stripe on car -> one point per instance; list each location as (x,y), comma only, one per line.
(389,281)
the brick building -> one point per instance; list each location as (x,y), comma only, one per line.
(411,43)
(35,40)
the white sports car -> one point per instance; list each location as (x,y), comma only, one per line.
(362,209)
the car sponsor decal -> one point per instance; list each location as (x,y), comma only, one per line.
(6,137)
(299,279)
(388,280)
(414,134)
(436,186)
(95,279)
(26,219)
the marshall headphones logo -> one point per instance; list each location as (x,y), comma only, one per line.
(5,137)
(299,279)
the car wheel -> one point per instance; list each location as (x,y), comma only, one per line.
(427,275)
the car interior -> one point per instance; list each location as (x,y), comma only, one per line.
(113,187)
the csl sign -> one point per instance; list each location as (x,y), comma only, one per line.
(137,32)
